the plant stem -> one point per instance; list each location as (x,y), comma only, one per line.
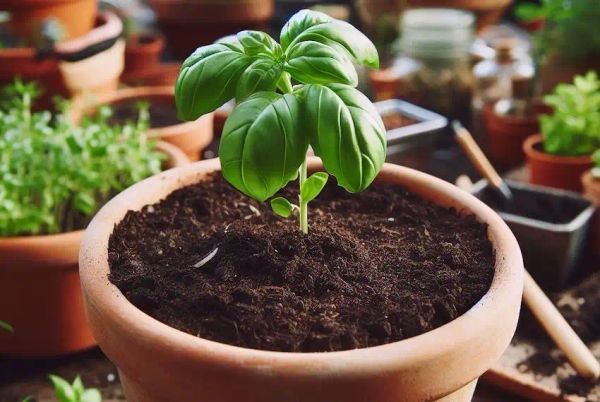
(303,205)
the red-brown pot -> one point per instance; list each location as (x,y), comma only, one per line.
(507,133)
(591,190)
(442,364)
(385,84)
(488,12)
(191,137)
(161,75)
(554,170)
(189,24)
(76,17)
(40,293)
(142,53)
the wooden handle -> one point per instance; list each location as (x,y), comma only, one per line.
(477,156)
(578,354)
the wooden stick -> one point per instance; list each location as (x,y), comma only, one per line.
(578,354)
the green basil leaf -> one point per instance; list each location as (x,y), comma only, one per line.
(62,389)
(346,132)
(232,42)
(91,395)
(312,62)
(299,23)
(281,207)
(259,43)
(262,75)
(208,79)
(313,186)
(263,144)
(312,26)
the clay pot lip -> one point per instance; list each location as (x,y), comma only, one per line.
(80,106)
(539,109)
(529,148)
(106,300)
(155,45)
(28,3)
(176,158)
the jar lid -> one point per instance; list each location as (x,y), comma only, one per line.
(436,32)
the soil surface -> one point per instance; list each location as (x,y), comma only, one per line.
(162,113)
(375,268)
(396,120)
(535,205)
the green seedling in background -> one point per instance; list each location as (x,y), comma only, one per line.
(75,392)
(573,128)
(55,176)
(6,326)
(290,95)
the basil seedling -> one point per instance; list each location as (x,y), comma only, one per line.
(290,95)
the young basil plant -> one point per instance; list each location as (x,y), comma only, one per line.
(290,95)
(6,326)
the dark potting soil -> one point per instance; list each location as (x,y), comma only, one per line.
(535,205)
(396,120)
(375,268)
(162,113)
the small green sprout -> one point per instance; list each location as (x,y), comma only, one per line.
(290,95)
(573,128)
(75,392)
(6,326)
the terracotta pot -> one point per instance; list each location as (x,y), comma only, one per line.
(507,133)
(488,12)
(591,190)
(554,170)
(76,17)
(385,84)
(40,294)
(188,24)
(99,73)
(190,137)
(21,62)
(142,53)
(443,363)
(164,74)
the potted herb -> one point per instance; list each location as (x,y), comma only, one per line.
(54,178)
(591,189)
(229,292)
(563,152)
(191,137)
(558,48)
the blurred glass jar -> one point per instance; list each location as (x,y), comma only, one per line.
(496,77)
(434,69)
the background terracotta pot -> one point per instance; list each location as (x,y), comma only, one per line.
(40,293)
(554,170)
(184,368)
(591,190)
(163,74)
(142,53)
(507,133)
(488,12)
(76,17)
(191,137)
(188,24)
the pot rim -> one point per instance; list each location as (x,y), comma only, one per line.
(531,152)
(105,300)
(81,106)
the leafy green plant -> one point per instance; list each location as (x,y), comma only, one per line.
(75,392)
(290,95)
(6,326)
(596,169)
(55,176)
(574,126)
(566,23)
